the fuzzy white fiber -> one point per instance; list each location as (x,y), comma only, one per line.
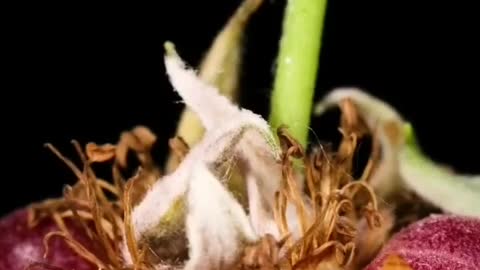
(217,226)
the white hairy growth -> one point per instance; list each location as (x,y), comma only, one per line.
(216,224)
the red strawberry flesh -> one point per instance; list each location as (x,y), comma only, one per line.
(444,242)
(21,246)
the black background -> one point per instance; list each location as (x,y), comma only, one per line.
(88,71)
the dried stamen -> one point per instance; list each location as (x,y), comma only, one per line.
(329,227)
(102,218)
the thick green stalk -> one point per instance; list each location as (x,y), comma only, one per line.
(297,66)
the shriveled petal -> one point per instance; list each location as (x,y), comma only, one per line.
(217,226)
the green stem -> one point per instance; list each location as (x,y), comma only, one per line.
(296,72)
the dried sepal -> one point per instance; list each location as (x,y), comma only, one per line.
(385,125)
(403,164)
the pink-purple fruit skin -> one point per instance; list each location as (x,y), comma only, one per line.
(20,246)
(445,242)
